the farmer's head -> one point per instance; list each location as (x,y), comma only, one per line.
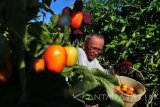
(93,45)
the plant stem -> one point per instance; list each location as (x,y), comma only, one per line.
(23,83)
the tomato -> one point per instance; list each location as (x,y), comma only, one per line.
(124,87)
(117,87)
(55,58)
(39,65)
(76,20)
(3,77)
(5,70)
(130,90)
(72,55)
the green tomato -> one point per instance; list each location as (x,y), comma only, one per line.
(72,55)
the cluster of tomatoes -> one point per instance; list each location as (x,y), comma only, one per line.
(55,58)
(125,89)
(75,18)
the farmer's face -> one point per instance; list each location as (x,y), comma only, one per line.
(94,47)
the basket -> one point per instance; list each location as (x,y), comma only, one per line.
(130,100)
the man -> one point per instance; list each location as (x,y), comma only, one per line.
(91,49)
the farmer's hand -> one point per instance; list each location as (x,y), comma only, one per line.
(123,66)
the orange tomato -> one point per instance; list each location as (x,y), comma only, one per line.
(39,65)
(55,58)
(3,77)
(72,55)
(6,70)
(76,20)
(130,90)
(124,87)
(118,88)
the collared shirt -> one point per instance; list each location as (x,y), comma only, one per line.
(83,60)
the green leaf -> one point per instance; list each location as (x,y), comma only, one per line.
(113,18)
(137,65)
(105,27)
(80,78)
(124,53)
(54,20)
(108,86)
(59,38)
(115,99)
(65,40)
(84,85)
(123,28)
(47,2)
(67,71)
(129,43)
(101,74)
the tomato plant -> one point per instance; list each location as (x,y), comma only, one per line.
(72,55)
(76,20)
(55,58)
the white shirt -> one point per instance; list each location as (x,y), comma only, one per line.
(83,60)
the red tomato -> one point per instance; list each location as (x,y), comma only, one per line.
(76,20)
(39,65)
(72,54)
(55,58)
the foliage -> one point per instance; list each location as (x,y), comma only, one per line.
(131,30)
(43,34)
(83,80)
(27,40)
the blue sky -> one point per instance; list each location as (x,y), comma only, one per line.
(57,7)
(60,4)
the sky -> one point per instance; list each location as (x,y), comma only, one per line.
(57,8)
(60,4)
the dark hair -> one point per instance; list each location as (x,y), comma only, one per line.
(88,37)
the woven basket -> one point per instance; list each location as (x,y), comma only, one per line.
(140,90)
